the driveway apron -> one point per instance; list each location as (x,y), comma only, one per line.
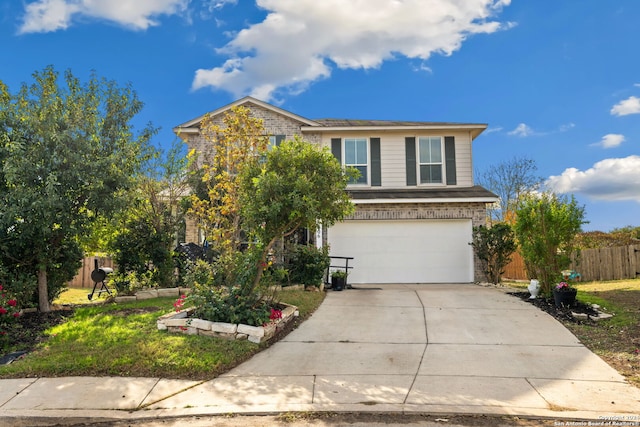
(451,348)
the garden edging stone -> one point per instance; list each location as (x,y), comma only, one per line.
(180,322)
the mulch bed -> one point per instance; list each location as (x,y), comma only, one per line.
(548,305)
(28,330)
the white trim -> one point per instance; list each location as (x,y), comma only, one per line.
(478,128)
(343,142)
(442,164)
(430,200)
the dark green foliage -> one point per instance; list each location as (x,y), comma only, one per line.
(67,155)
(232,305)
(494,246)
(308,264)
(22,285)
(140,248)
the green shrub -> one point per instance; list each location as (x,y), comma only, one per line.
(494,247)
(23,286)
(308,264)
(197,274)
(230,305)
(127,283)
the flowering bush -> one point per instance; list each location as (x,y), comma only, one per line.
(179,302)
(564,287)
(275,314)
(8,313)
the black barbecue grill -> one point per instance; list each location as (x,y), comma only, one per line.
(99,275)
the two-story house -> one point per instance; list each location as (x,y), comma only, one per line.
(415,200)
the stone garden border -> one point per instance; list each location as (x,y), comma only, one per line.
(153,293)
(180,322)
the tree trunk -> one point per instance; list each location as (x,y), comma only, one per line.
(43,294)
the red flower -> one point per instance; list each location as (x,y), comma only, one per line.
(12,302)
(2,310)
(275,314)
(16,314)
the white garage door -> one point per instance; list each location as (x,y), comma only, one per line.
(420,251)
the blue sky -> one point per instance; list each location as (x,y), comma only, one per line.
(556,81)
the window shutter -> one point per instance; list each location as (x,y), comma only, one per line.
(336,148)
(410,148)
(450,159)
(376,173)
(279,139)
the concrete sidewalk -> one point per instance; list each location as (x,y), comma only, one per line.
(445,349)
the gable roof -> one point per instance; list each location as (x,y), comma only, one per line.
(308,125)
(194,125)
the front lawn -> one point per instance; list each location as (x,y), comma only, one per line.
(615,340)
(122,340)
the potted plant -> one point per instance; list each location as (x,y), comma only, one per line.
(338,280)
(564,294)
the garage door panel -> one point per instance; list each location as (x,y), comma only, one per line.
(421,251)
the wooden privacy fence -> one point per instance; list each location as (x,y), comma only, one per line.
(615,263)
(83,278)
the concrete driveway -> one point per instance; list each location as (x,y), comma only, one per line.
(442,349)
(424,348)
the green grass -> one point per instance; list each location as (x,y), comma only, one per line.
(616,340)
(123,340)
(76,296)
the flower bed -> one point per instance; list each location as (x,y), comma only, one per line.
(181,322)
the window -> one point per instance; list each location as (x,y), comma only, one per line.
(430,159)
(355,155)
(274,141)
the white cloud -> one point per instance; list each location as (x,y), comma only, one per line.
(566,127)
(300,41)
(610,140)
(493,129)
(609,179)
(522,130)
(628,106)
(50,15)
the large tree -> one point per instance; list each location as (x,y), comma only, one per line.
(546,228)
(298,185)
(510,180)
(233,144)
(68,153)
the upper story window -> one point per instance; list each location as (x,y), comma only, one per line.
(356,156)
(430,159)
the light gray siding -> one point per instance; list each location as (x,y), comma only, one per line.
(392,155)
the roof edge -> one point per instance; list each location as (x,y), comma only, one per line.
(184,127)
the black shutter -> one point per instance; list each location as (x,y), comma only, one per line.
(279,139)
(336,148)
(410,148)
(376,173)
(450,159)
